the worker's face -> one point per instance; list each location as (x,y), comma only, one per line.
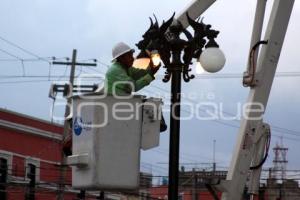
(126,59)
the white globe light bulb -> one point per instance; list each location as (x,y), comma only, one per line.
(212,59)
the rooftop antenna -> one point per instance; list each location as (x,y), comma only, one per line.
(280,161)
(214,155)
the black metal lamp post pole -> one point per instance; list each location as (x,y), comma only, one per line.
(176,68)
(174,128)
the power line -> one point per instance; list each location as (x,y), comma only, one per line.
(43,80)
(43,76)
(232,115)
(24,59)
(235,75)
(22,49)
(238,75)
(285,129)
(236,126)
(10,54)
(29,81)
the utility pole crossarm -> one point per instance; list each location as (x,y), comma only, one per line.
(70,63)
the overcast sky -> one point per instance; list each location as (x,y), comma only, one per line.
(54,27)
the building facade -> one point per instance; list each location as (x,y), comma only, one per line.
(30,155)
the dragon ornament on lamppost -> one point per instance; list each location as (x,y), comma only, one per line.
(176,55)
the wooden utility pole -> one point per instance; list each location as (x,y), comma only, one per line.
(214,157)
(194,189)
(63,165)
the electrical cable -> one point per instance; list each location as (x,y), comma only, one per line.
(10,54)
(230,114)
(20,59)
(267,147)
(249,79)
(24,50)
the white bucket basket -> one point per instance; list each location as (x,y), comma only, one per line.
(108,134)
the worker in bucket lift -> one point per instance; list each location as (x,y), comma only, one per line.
(122,79)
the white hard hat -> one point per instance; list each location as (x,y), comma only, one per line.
(120,49)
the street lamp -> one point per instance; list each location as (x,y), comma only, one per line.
(212,59)
(176,55)
(155,57)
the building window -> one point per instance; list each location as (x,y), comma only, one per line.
(8,157)
(32,176)
(5,172)
(32,164)
(3,178)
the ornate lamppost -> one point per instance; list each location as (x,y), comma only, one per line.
(176,55)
